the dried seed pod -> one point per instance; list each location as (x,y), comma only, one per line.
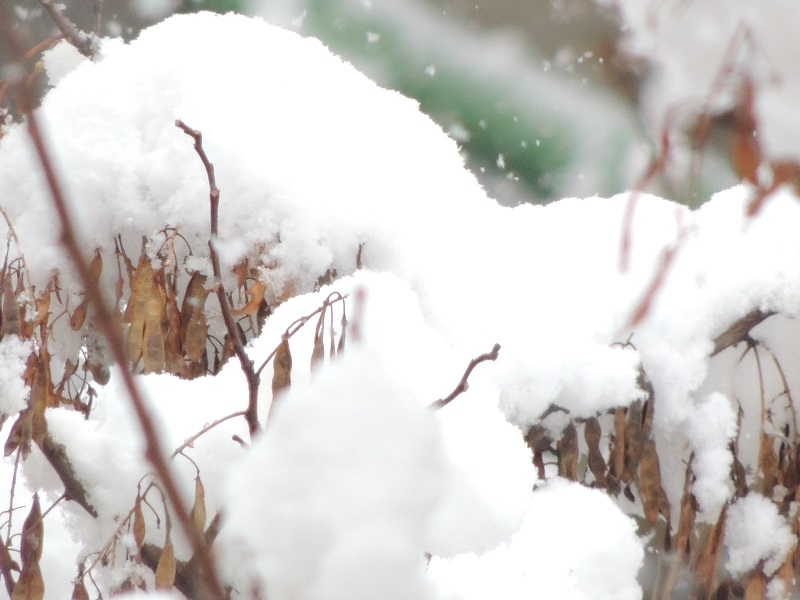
(20,435)
(256,293)
(568,453)
(318,352)
(634,440)
(650,488)
(198,513)
(756,588)
(11,309)
(165,570)
(139,528)
(79,591)
(194,329)
(282,368)
(767,464)
(32,535)
(30,585)
(597,464)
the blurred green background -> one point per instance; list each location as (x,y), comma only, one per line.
(540,100)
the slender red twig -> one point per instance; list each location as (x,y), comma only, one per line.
(253,380)
(463,385)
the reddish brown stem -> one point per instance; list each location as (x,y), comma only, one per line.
(251,414)
(463,384)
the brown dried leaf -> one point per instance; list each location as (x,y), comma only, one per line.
(568,453)
(650,488)
(767,464)
(154,352)
(597,464)
(710,554)
(282,368)
(634,440)
(318,352)
(39,400)
(79,591)
(42,309)
(193,318)
(198,513)
(20,435)
(172,342)
(30,585)
(756,588)
(11,309)
(32,535)
(139,527)
(618,449)
(256,293)
(145,313)
(538,440)
(343,336)
(165,571)
(96,266)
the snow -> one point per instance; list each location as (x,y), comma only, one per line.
(355,478)
(554,552)
(13,355)
(756,532)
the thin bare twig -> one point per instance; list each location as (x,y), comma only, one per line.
(189,441)
(463,385)
(253,380)
(106,323)
(298,324)
(81,40)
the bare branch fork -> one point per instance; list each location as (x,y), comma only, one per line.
(81,40)
(463,385)
(250,373)
(153,450)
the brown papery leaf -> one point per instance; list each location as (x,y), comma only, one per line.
(710,554)
(139,528)
(282,368)
(318,352)
(79,591)
(30,585)
(618,449)
(650,488)
(96,266)
(20,435)
(154,353)
(343,336)
(568,453)
(256,293)
(767,464)
(198,513)
(172,342)
(756,588)
(597,464)
(32,535)
(193,318)
(11,310)
(165,571)
(634,440)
